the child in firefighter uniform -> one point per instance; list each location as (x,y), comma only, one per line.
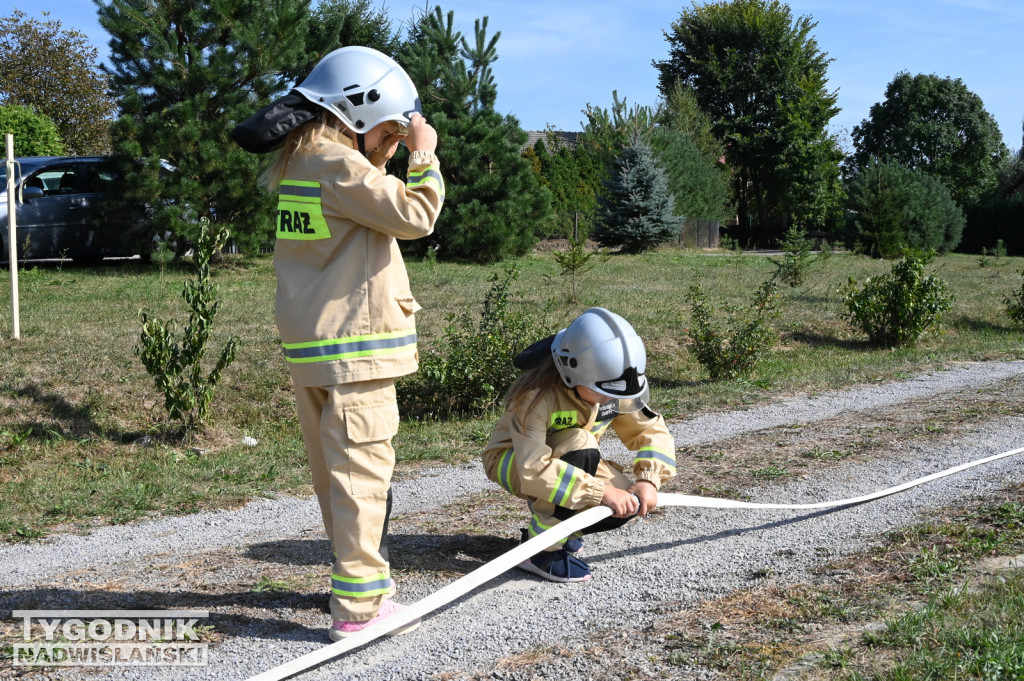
(545,447)
(344,308)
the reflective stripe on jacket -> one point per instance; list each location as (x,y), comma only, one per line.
(344,309)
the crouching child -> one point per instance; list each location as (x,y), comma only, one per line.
(575,385)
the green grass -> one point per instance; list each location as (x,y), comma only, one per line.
(76,405)
(961,635)
(965,630)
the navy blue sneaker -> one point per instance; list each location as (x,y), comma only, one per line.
(557,566)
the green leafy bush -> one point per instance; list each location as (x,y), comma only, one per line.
(1015,304)
(34,133)
(733,350)
(470,370)
(176,364)
(895,309)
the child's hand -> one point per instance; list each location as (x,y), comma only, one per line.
(647,494)
(421,137)
(622,503)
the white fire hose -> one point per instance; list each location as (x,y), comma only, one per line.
(524,551)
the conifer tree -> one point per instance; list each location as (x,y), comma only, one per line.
(186,74)
(494,201)
(892,207)
(570,173)
(637,213)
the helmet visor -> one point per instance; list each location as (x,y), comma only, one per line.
(627,405)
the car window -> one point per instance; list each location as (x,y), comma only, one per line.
(100,178)
(55,180)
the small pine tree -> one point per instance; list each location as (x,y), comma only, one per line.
(637,213)
(574,263)
(796,259)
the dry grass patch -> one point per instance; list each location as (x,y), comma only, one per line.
(725,468)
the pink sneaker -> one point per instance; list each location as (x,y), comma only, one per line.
(340,630)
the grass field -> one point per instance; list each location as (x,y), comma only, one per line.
(83,437)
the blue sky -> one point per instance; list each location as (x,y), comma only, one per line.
(557,56)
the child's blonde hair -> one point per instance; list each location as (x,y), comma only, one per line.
(533,384)
(323,127)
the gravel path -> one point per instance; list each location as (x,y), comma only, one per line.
(641,571)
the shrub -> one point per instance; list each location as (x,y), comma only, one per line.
(176,364)
(895,309)
(471,369)
(736,349)
(1015,304)
(34,133)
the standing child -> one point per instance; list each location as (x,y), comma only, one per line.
(344,308)
(544,448)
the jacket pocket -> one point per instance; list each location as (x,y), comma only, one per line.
(371,457)
(408,303)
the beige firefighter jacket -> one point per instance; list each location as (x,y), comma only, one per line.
(518,456)
(344,309)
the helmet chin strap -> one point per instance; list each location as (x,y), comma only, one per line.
(361,143)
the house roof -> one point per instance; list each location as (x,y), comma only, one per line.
(562,136)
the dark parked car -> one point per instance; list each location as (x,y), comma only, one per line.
(59,215)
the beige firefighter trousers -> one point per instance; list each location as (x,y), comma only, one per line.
(347,431)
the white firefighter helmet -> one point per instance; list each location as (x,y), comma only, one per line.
(601,351)
(362,87)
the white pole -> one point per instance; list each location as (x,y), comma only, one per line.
(12,242)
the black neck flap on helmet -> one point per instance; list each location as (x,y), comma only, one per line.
(266,129)
(534,354)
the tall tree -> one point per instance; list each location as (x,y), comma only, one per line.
(57,73)
(570,173)
(186,74)
(608,131)
(494,201)
(679,135)
(693,158)
(760,76)
(698,184)
(939,126)
(339,23)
